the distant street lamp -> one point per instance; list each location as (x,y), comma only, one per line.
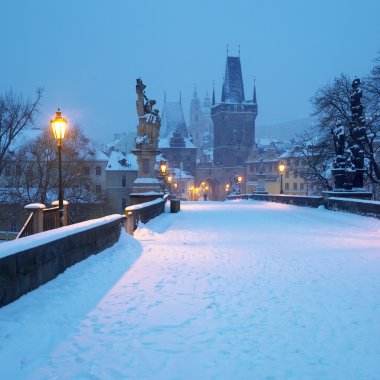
(240,179)
(59,125)
(281,169)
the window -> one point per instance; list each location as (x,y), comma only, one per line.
(301,186)
(18,169)
(294,186)
(145,163)
(98,189)
(86,187)
(286,174)
(295,174)
(98,170)
(124,181)
(123,203)
(86,170)
(286,186)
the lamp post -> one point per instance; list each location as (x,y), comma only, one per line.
(58,125)
(163,170)
(281,169)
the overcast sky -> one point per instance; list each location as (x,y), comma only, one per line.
(87,54)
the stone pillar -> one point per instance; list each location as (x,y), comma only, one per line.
(38,216)
(65,210)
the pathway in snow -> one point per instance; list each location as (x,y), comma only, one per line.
(235,290)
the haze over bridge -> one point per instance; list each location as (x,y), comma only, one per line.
(240,289)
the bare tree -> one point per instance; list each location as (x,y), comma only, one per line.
(15,114)
(35,170)
(316,153)
(332,107)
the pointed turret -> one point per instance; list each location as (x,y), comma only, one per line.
(254,93)
(233,89)
(213,95)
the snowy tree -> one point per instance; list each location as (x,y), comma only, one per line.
(15,114)
(35,170)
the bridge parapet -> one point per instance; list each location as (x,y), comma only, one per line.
(352,205)
(27,263)
(144,212)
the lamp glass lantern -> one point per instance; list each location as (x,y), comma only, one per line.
(58,125)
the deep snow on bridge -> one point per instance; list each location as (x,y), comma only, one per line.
(234,290)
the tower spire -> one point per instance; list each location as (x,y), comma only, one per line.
(165,96)
(195,91)
(227,49)
(180,97)
(213,94)
(254,91)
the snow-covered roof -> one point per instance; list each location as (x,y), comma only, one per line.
(121,161)
(178,173)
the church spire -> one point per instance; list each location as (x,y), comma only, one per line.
(195,95)
(180,97)
(254,91)
(165,96)
(213,94)
(233,89)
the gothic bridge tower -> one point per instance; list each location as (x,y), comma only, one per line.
(234,119)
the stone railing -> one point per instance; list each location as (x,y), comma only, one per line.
(144,212)
(355,206)
(27,263)
(42,218)
(296,200)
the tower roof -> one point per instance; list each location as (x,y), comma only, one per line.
(233,89)
(173,119)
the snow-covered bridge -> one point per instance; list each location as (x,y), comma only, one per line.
(233,290)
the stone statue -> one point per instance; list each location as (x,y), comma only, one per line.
(148,129)
(339,135)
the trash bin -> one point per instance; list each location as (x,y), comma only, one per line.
(175,205)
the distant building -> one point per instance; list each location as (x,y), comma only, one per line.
(121,171)
(175,144)
(234,119)
(122,142)
(201,127)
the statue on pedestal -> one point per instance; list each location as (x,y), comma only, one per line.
(148,129)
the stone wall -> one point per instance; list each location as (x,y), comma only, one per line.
(356,206)
(27,269)
(296,200)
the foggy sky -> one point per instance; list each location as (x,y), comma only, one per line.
(87,54)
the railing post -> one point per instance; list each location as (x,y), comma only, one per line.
(65,210)
(38,216)
(130,222)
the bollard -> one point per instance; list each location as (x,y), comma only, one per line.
(175,205)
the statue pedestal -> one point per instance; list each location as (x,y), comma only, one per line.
(146,186)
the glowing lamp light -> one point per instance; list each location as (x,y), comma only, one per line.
(281,168)
(163,168)
(240,179)
(170,178)
(203,183)
(58,125)
(176,185)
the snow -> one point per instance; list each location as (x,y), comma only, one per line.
(117,159)
(146,180)
(143,205)
(233,290)
(19,245)
(165,143)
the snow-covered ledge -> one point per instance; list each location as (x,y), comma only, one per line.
(29,262)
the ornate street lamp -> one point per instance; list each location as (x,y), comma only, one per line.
(59,125)
(240,179)
(163,168)
(281,169)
